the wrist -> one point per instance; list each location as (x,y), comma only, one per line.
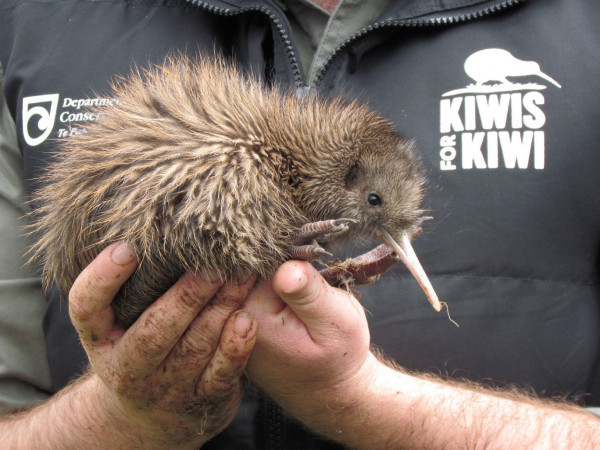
(101,420)
(129,426)
(106,417)
(346,410)
(76,417)
(426,412)
(97,421)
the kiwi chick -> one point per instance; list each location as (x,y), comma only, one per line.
(202,168)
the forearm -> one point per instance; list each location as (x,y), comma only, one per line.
(74,418)
(318,366)
(398,410)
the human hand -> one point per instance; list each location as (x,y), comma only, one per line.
(173,378)
(312,353)
(312,357)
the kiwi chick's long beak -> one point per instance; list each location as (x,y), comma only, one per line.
(408,256)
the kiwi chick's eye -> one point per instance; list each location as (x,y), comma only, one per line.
(374,199)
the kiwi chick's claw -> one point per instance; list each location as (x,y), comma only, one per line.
(200,167)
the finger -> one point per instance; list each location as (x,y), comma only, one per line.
(152,337)
(312,299)
(263,301)
(94,289)
(222,375)
(200,341)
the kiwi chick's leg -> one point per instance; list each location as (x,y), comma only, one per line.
(306,244)
(368,267)
(364,269)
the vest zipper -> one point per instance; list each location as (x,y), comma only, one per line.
(469,13)
(281,29)
(274,426)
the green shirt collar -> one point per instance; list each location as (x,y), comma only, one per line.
(319,33)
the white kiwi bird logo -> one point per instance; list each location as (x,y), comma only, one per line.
(495,64)
(491,69)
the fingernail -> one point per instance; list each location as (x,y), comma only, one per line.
(297,283)
(243,324)
(123,254)
(197,276)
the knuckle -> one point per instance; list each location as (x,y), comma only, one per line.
(78,310)
(190,298)
(189,294)
(120,379)
(221,386)
(92,290)
(199,348)
(232,296)
(226,302)
(81,308)
(123,383)
(311,292)
(237,350)
(150,339)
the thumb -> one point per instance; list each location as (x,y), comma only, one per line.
(304,290)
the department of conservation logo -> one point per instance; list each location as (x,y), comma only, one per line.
(496,121)
(40,114)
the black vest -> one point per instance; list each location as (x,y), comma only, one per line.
(501,99)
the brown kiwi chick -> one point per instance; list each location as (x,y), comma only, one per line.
(201,168)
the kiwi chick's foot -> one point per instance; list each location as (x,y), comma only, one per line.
(361,270)
(307,243)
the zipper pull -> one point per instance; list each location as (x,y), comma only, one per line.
(304,91)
